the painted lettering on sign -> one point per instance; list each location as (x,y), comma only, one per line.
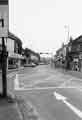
(3,2)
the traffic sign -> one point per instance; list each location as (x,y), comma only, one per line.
(4,18)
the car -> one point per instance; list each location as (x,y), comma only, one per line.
(27,65)
(33,64)
(41,63)
(30,65)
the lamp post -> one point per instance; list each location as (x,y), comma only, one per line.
(68,32)
(67,51)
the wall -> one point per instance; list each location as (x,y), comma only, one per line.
(10,45)
(0,41)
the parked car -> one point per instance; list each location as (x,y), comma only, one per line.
(33,64)
(30,65)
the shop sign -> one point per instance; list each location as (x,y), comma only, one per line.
(75,59)
(15,56)
(80,56)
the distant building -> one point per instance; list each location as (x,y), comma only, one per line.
(31,56)
(60,57)
(75,53)
(70,55)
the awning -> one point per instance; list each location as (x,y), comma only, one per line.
(15,56)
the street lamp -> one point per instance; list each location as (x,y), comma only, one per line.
(68,30)
(67,51)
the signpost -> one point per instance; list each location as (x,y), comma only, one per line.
(4,27)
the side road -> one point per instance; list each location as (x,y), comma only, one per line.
(70,72)
(76,79)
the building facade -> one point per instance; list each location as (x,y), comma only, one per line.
(70,56)
(31,56)
(76,53)
(60,57)
(14,48)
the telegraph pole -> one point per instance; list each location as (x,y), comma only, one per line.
(4,27)
(4,64)
(4,69)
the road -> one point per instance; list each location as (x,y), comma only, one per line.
(49,108)
(50,92)
(42,76)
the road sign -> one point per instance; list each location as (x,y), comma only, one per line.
(4,18)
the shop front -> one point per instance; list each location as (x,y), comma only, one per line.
(80,58)
(0,61)
(15,60)
(0,55)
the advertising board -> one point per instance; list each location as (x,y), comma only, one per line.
(4,18)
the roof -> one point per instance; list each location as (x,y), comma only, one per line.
(60,49)
(78,39)
(31,51)
(14,37)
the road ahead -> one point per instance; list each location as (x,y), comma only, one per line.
(42,76)
(45,88)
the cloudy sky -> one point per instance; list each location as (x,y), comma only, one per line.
(41,23)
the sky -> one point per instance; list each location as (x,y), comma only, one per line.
(40,24)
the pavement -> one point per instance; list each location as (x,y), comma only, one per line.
(13,70)
(9,109)
(15,107)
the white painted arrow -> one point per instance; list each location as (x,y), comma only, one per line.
(59,97)
(64,100)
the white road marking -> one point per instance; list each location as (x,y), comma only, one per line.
(67,81)
(74,80)
(16,82)
(42,88)
(64,100)
(43,81)
(31,75)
